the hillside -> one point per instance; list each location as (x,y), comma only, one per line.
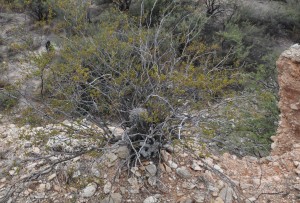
(149,101)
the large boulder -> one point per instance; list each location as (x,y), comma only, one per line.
(288,133)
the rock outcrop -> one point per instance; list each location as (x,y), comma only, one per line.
(288,133)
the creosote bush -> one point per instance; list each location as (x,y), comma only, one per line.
(158,62)
(121,65)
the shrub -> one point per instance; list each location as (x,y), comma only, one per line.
(126,66)
(278,21)
(30,117)
(1,41)
(40,10)
(15,5)
(15,48)
(8,96)
(162,71)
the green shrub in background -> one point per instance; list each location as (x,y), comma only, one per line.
(40,10)
(15,5)
(1,41)
(243,126)
(282,20)
(8,96)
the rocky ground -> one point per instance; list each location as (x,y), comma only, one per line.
(54,164)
